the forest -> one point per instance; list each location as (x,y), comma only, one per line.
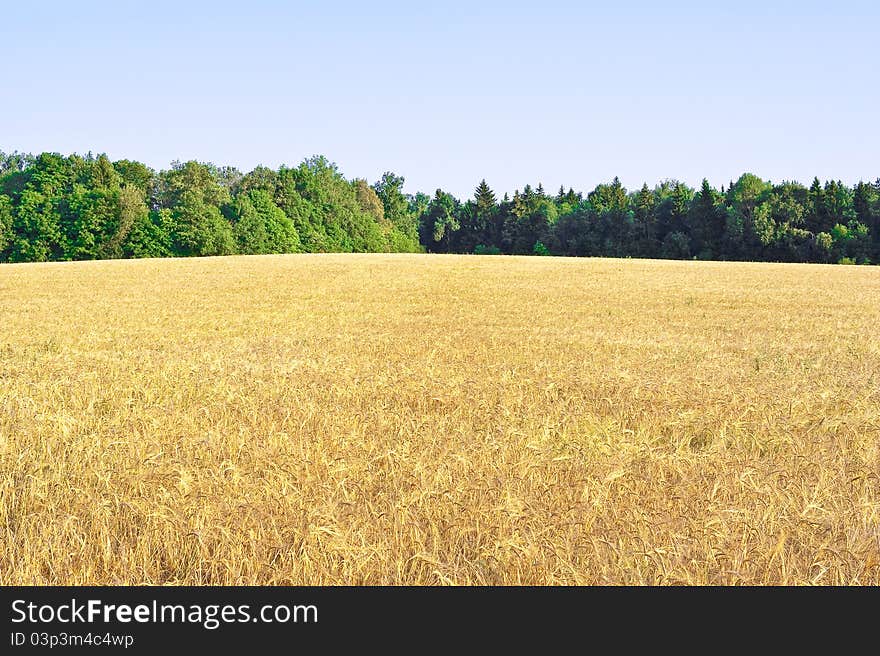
(55,207)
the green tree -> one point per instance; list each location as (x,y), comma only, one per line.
(609,198)
(151,235)
(745,196)
(262,178)
(817,219)
(194,195)
(672,208)
(540,249)
(369,201)
(399,211)
(676,246)
(530,218)
(733,242)
(12,163)
(863,201)
(866,206)
(645,236)
(199,228)
(823,243)
(137,175)
(484,198)
(439,222)
(850,242)
(94,219)
(262,227)
(131,209)
(762,225)
(37,229)
(839,203)
(5,226)
(337,220)
(38,197)
(787,205)
(706,221)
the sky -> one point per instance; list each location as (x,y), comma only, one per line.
(446,94)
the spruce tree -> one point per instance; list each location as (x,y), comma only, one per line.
(484,197)
(817,220)
(707,225)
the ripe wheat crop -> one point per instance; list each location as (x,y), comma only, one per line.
(406,419)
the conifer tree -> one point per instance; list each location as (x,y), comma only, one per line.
(484,197)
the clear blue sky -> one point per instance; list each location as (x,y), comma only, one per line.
(445,94)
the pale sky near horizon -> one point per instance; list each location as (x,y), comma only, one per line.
(555,92)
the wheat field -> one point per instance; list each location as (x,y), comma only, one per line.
(411,419)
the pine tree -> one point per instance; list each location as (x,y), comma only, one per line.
(707,224)
(817,220)
(484,197)
(862,203)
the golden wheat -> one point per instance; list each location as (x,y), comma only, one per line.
(392,419)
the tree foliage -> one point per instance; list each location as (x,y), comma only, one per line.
(87,207)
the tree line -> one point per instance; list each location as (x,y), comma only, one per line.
(54,207)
